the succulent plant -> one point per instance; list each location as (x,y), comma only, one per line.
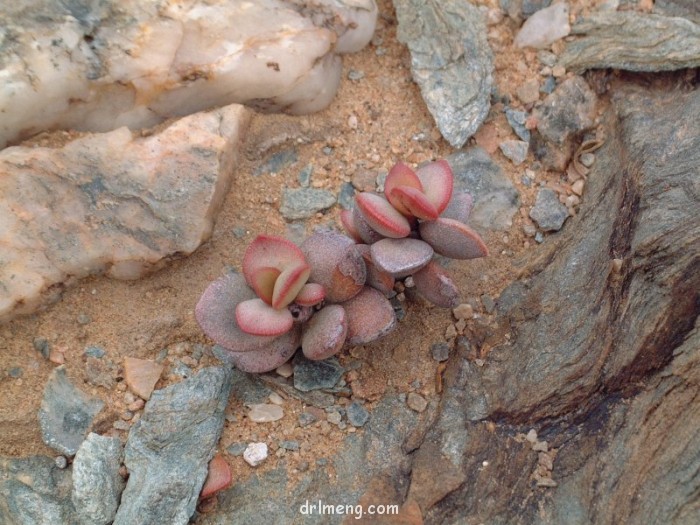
(331,292)
(418,215)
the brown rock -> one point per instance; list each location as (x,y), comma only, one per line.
(141,376)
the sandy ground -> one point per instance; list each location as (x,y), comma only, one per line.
(142,318)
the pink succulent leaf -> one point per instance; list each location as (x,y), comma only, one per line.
(262,281)
(435,284)
(348,222)
(215,313)
(218,477)
(289,283)
(310,295)
(376,277)
(257,318)
(400,175)
(401,257)
(370,316)
(382,216)
(415,202)
(269,357)
(460,207)
(453,239)
(270,251)
(438,181)
(325,333)
(367,234)
(335,265)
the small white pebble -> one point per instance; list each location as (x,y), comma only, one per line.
(463,311)
(540,446)
(255,453)
(352,121)
(577,187)
(264,413)
(276,399)
(484,463)
(408,282)
(285,370)
(479,362)
(532,436)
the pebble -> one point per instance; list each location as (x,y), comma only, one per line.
(334,417)
(539,238)
(276,399)
(57,356)
(236,449)
(277,162)
(546,482)
(355,75)
(316,375)
(94,351)
(357,414)
(255,453)
(516,119)
(305,176)
(265,413)
(416,402)
(180,369)
(304,203)
(451,332)
(136,405)
(346,196)
(239,232)
(42,345)
(327,150)
(547,58)
(548,212)
(440,352)
(352,121)
(544,27)
(141,376)
(531,436)
(306,419)
(364,180)
(84,319)
(463,311)
(121,425)
(549,84)
(545,460)
(464,346)
(489,303)
(540,446)
(285,370)
(558,71)
(289,445)
(61,462)
(515,150)
(587,159)
(15,372)
(529,229)
(529,92)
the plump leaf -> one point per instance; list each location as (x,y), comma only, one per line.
(262,281)
(382,216)
(400,176)
(257,318)
(365,231)
(276,353)
(435,284)
(218,477)
(370,316)
(437,180)
(348,222)
(324,335)
(376,277)
(453,239)
(401,257)
(289,283)
(415,202)
(267,251)
(310,294)
(460,207)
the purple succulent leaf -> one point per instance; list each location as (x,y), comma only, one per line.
(269,357)
(324,335)
(401,257)
(453,239)
(460,207)
(435,284)
(370,316)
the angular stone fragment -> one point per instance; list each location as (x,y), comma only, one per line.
(97,484)
(544,27)
(141,376)
(569,110)
(302,203)
(451,61)
(265,413)
(169,448)
(111,203)
(66,413)
(95,66)
(548,212)
(633,41)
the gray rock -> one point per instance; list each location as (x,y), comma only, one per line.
(169,448)
(515,150)
(15,372)
(34,491)
(236,449)
(524,8)
(689,9)
(633,41)
(66,413)
(569,110)
(306,419)
(94,351)
(316,375)
(516,119)
(451,61)
(305,176)
(247,388)
(289,445)
(97,485)
(356,75)
(489,303)
(277,162)
(548,212)
(302,203)
(346,196)
(440,351)
(495,198)
(357,414)
(100,372)
(549,85)
(42,345)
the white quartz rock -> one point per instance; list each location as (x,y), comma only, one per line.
(136,62)
(110,203)
(545,27)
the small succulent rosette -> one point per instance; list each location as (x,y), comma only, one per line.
(418,216)
(314,297)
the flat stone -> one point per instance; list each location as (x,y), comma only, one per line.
(156,61)
(357,414)
(66,413)
(289,445)
(265,413)
(141,375)
(277,162)
(95,351)
(516,119)
(416,402)
(97,484)
(633,41)
(515,150)
(169,448)
(34,490)
(495,198)
(255,453)
(544,27)
(529,92)
(548,212)
(302,203)
(316,375)
(440,352)
(145,195)
(569,110)
(451,61)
